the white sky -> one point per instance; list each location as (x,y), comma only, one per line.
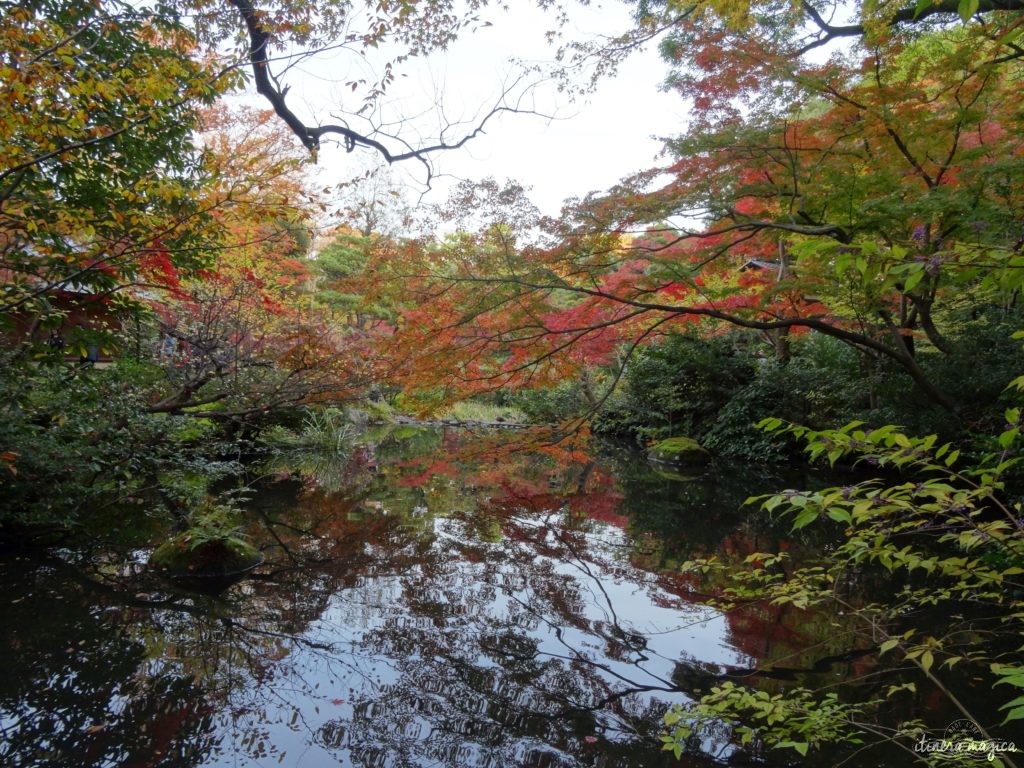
(594,142)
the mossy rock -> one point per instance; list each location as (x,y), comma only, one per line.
(214,558)
(684,474)
(681,451)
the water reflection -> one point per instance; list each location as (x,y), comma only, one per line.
(75,693)
(429,611)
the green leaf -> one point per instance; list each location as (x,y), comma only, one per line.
(805,518)
(1009,37)
(1018,701)
(911,282)
(968,8)
(1017,713)
(888,645)
(839,515)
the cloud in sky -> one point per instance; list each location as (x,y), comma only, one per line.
(592,142)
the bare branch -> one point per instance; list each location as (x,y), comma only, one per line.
(312,135)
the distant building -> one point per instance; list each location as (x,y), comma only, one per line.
(759,264)
(68,314)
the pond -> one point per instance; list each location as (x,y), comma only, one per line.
(427,601)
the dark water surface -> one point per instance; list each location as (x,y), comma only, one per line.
(417,608)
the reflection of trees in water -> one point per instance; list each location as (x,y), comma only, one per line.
(505,661)
(73,693)
(673,520)
(467,620)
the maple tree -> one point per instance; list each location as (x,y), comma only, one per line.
(246,337)
(101,184)
(872,198)
(765,29)
(229,335)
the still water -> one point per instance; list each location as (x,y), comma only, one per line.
(426,601)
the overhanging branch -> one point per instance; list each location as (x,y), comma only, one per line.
(260,39)
(908,15)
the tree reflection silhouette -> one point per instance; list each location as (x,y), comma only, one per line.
(505,610)
(75,694)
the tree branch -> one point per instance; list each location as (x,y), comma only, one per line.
(907,15)
(311,136)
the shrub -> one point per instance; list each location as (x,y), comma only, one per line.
(78,441)
(677,387)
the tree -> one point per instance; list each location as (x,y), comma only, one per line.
(788,30)
(245,339)
(225,337)
(278,35)
(947,537)
(375,216)
(872,198)
(98,172)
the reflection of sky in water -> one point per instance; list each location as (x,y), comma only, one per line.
(523,626)
(412,667)
(502,633)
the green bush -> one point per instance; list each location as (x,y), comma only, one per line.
(78,442)
(547,406)
(974,374)
(676,387)
(800,392)
(947,535)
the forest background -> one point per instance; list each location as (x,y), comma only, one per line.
(835,238)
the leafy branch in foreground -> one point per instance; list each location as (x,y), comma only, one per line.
(948,538)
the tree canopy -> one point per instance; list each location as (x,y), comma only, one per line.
(872,197)
(842,213)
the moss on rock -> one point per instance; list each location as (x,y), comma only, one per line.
(679,450)
(218,557)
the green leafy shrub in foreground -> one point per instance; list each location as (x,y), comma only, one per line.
(948,536)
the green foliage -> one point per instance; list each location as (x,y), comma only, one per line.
(722,391)
(213,543)
(78,441)
(676,386)
(214,521)
(796,720)
(947,535)
(1012,675)
(98,156)
(323,430)
(343,278)
(546,406)
(345,257)
(797,391)
(983,357)
(681,450)
(474,411)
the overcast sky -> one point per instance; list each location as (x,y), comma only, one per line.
(593,143)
